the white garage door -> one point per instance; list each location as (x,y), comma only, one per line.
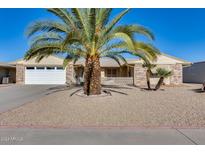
(45,75)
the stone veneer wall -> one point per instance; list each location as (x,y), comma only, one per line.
(175,79)
(139,75)
(70,74)
(20,73)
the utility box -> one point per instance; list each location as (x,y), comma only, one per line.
(5,80)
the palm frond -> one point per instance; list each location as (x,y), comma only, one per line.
(73,55)
(126,38)
(113,46)
(116,36)
(121,58)
(149,50)
(82,20)
(102,18)
(47,48)
(64,15)
(148,65)
(71,38)
(115,58)
(46,37)
(92,23)
(162,72)
(46,26)
(111,25)
(134,29)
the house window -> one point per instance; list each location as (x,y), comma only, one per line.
(30,68)
(59,68)
(111,72)
(40,68)
(50,68)
(129,73)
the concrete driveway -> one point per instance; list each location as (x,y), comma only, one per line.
(15,95)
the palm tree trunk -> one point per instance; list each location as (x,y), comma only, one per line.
(159,83)
(148,79)
(92,76)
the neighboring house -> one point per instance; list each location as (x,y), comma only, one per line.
(194,73)
(7,71)
(50,71)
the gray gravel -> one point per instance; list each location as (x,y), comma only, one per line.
(178,107)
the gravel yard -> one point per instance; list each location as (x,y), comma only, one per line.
(182,106)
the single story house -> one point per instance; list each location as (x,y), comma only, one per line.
(50,71)
(7,71)
(194,73)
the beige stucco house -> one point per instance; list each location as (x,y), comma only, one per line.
(50,71)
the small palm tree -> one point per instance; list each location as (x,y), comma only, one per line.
(162,73)
(89,34)
(149,73)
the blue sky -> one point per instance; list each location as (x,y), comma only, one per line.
(178,32)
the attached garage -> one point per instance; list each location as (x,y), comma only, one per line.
(48,71)
(45,75)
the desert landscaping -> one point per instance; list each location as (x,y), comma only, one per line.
(171,107)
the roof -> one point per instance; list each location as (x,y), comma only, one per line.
(177,59)
(168,60)
(162,59)
(6,65)
(108,62)
(48,61)
(105,62)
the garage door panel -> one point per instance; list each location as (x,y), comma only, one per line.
(45,76)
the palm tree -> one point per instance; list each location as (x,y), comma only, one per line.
(162,74)
(88,34)
(149,73)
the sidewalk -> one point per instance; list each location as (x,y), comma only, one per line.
(102,136)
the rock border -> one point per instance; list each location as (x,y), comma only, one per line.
(103,94)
